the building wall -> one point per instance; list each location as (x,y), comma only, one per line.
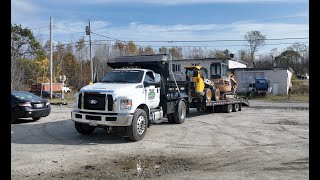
(282,77)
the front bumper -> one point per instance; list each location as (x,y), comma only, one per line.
(102,119)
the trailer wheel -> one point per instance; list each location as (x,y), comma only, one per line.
(170,118)
(240,105)
(235,107)
(84,128)
(228,108)
(180,114)
(138,128)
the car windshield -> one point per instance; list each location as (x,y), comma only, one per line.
(130,76)
(22,95)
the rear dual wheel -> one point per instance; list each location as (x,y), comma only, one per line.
(179,115)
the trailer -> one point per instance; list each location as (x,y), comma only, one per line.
(140,90)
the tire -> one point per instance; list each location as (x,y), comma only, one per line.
(235,107)
(13,117)
(170,118)
(138,128)
(84,129)
(228,108)
(180,114)
(240,105)
(215,94)
(36,118)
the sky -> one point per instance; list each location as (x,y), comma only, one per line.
(168,21)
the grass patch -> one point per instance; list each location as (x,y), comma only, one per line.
(293,97)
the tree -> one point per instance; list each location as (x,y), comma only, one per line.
(287,59)
(163,50)
(131,48)
(24,48)
(176,52)
(24,44)
(219,53)
(255,40)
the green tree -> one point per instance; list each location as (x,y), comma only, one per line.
(287,58)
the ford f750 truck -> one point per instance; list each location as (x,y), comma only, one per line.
(140,90)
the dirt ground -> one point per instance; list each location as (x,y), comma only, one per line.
(263,141)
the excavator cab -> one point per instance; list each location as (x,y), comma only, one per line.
(197,74)
(223,80)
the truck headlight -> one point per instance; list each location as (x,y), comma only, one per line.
(76,99)
(125,104)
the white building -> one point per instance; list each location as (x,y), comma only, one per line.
(280,79)
(179,71)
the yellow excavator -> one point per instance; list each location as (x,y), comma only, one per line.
(203,88)
(220,85)
(223,80)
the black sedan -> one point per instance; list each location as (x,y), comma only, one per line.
(27,105)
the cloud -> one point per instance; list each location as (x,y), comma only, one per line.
(19,9)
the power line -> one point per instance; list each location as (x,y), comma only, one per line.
(218,40)
(39,27)
(68,30)
(107,37)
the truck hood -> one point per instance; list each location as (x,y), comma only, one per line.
(119,89)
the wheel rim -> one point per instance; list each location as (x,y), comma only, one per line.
(183,111)
(229,107)
(141,125)
(236,107)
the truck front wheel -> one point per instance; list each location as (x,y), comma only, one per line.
(84,128)
(180,115)
(138,128)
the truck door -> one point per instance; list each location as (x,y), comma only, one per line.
(152,90)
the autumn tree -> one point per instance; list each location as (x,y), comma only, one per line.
(255,40)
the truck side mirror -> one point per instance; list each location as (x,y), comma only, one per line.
(157,78)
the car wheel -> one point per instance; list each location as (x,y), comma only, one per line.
(36,118)
(13,117)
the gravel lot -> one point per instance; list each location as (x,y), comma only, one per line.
(263,141)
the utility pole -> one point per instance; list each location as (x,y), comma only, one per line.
(88,32)
(50,57)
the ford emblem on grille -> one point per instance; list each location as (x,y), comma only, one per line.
(93,101)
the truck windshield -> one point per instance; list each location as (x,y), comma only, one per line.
(129,76)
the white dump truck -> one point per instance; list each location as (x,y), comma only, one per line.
(140,90)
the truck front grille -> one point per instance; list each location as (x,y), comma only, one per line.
(94,101)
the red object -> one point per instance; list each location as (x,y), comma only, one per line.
(56,87)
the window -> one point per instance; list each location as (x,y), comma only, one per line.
(149,77)
(175,67)
(215,69)
(204,73)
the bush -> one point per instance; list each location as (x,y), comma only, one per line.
(300,87)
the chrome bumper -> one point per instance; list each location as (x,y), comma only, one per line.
(122,119)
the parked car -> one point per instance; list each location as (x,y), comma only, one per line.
(66,89)
(46,94)
(27,105)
